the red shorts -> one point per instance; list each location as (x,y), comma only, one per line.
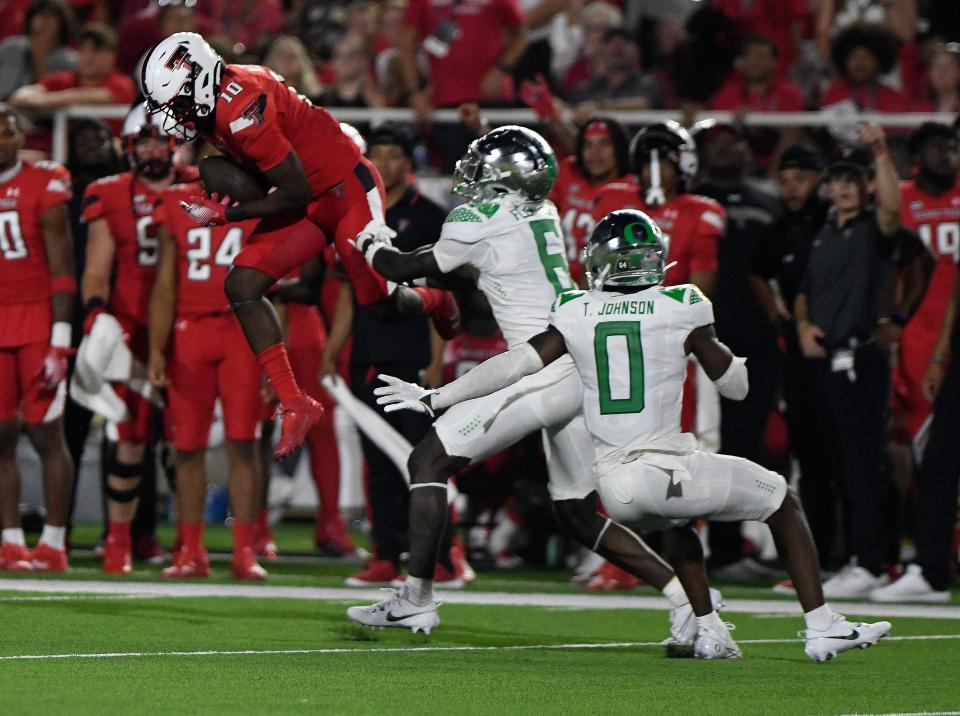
(281,243)
(136,428)
(19,394)
(914,350)
(210,358)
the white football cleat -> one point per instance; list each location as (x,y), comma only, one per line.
(716,643)
(397,611)
(852,582)
(683,627)
(911,587)
(842,636)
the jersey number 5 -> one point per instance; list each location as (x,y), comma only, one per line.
(12,245)
(200,239)
(619,353)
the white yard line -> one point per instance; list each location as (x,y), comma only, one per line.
(577,601)
(413,649)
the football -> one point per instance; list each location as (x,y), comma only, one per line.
(221,175)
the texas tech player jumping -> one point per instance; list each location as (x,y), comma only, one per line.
(122,241)
(930,207)
(205,358)
(601,157)
(319,179)
(36,305)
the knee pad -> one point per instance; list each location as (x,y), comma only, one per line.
(125,471)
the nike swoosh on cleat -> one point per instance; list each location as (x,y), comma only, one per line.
(392,618)
(852,636)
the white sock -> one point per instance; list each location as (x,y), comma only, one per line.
(419,591)
(819,619)
(711,620)
(14,535)
(674,592)
(55,537)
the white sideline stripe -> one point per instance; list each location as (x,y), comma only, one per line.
(577,601)
(416,649)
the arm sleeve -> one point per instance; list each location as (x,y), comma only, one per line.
(711,226)
(255,130)
(489,377)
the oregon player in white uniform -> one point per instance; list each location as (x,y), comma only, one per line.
(510,234)
(629,338)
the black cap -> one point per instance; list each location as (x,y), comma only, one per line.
(855,158)
(929,130)
(800,156)
(390,133)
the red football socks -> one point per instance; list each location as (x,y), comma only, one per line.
(242,536)
(276,365)
(192,534)
(120,531)
(433,298)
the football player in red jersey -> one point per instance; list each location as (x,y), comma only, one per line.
(122,241)
(930,207)
(664,158)
(601,157)
(36,307)
(198,353)
(319,178)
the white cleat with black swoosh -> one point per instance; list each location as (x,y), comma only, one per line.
(842,636)
(397,611)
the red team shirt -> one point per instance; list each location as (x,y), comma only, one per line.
(204,253)
(575,197)
(692,225)
(25,194)
(936,220)
(127,205)
(260,119)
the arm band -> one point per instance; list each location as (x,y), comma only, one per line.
(733,384)
(63,284)
(61,334)
(236,213)
(489,377)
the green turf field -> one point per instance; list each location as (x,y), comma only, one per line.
(121,652)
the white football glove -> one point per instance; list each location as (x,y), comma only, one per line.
(399,395)
(373,237)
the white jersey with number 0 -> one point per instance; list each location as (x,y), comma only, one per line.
(628,348)
(519,251)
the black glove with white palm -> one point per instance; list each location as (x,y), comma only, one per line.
(400,395)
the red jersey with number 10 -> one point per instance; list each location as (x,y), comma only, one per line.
(936,220)
(127,204)
(26,192)
(204,253)
(259,120)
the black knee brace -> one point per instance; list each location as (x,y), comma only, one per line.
(125,471)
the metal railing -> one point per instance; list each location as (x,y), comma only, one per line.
(899,120)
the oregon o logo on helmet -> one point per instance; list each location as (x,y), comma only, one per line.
(630,235)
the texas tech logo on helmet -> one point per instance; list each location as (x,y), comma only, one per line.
(179,58)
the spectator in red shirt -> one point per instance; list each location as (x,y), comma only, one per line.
(755,85)
(43,47)
(471,49)
(780,20)
(248,23)
(95,81)
(158,20)
(861,54)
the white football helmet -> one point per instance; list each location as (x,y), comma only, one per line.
(180,79)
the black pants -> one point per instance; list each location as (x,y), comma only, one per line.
(818,473)
(939,477)
(742,427)
(855,421)
(387,493)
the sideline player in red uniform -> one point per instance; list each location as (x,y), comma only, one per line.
(204,359)
(930,207)
(319,178)
(601,157)
(122,240)
(664,159)
(36,307)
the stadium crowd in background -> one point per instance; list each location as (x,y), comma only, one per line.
(846,357)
